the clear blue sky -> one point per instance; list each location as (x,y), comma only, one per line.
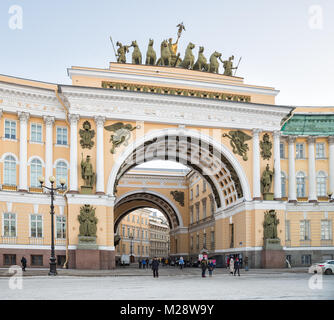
(277,45)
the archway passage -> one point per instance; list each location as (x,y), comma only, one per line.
(198,152)
(140,200)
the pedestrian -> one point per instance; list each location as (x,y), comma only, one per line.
(139,261)
(150,262)
(181,263)
(231,265)
(155,267)
(24,263)
(143,263)
(237,267)
(210,267)
(147,261)
(228,262)
(204,265)
(246,263)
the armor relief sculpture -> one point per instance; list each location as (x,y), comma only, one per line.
(237,141)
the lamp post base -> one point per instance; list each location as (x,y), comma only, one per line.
(53,267)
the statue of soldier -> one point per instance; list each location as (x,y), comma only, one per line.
(228,66)
(121,52)
(270,225)
(266,180)
(87,173)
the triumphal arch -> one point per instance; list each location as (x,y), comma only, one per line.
(254,186)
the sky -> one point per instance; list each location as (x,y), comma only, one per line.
(284,44)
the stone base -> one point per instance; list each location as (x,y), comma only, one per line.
(86,190)
(94,259)
(273,259)
(87,243)
(268,196)
(272,244)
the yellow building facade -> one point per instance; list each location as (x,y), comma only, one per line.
(214,124)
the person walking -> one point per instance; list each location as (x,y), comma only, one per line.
(24,263)
(139,262)
(181,263)
(143,263)
(231,265)
(246,263)
(204,265)
(147,261)
(237,267)
(155,267)
(210,267)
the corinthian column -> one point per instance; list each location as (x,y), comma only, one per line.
(24,117)
(277,166)
(99,155)
(48,148)
(331,165)
(292,171)
(312,194)
(256,165)
(73,118)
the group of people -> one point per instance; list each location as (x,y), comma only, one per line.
(207,264)
(235,263)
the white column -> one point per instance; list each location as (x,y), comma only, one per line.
(292,172)
(256,165)
(312,193)
(99,120)
(331,165)
(23,183)
(73,118)
(48,148)
(277,166)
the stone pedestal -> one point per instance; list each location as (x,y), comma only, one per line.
(268,196)
(273,255)
(87,254)
(86,190)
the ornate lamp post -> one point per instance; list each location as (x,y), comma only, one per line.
(131,247)
(53,266)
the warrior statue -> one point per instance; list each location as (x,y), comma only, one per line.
(270,225)
(87,173)
(228,66)
(87,221)
(121,52)
(266,180)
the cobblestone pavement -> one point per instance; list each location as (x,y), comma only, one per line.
(173,284)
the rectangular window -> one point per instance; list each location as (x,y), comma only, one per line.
(62,136)
(36,132)
(10,129)
(9,259)
(204,208)
(9,225)
(36,226)
(300,151)
(287,230)
(133,218)
(123,231)
(191,194)
(212,239)
(36,260)
(128,232)
(326,230)
(204,185)
(197,190)
(306,259)
(197,212)
(281,150)
(192,215)
(320,150)
(305,230)
(197,241)
(128,217)
(61,227)
(204,240)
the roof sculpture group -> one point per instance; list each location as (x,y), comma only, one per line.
(169,56)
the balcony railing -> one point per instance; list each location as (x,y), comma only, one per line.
(36,241)
(8,240)
(60,242)
(35,190)
(7,187)
(305,243)
(326,243)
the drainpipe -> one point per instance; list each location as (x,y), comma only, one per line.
(57,90)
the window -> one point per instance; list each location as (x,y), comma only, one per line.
(197,241)
(123,231)
(128,232)
(35,172)
(204,240)
(204,185)
(197,190)
(36,260)
(133,218)
(321,184)
(320,150)
(283,184)
(9,171)
(9,225)
(191,194)
(61,227)
(300,151)
(9,259)
(10,129)
(138,233)
(61,173)
(137,219)
(212,202)
(62,136)
(204,207)
(305,230)
(287,230)
(281,150)
(300,184)
(146,236)
(326,230)
(212,239)
(128,217)
(191,214)
(36,226)
(36,132)
(306,259)
(197,212)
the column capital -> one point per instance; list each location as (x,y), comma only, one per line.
(73,118)
(311,139)
(23,116)
(49,120)
(256,132)
(99,120)
(331,139)
(277,134)
(291,139)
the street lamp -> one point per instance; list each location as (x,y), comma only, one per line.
(53,266)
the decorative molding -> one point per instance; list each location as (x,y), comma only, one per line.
(49,120)
(99,120)
(23,116)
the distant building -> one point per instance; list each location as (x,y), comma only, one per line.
(159,236)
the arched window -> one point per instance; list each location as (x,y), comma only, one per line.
(9,171)
(36,171)
(300,179)
(321,184)
(283,184)
(61,173)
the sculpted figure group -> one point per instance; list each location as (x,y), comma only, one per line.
(169,57)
